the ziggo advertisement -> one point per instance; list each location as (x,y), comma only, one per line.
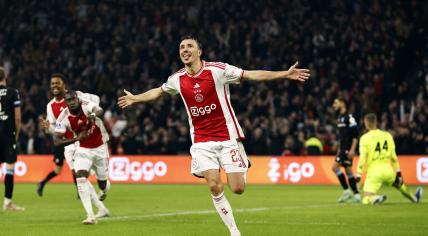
(176,170)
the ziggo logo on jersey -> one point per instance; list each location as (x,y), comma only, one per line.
(292,172)
(122,169)
(197,111)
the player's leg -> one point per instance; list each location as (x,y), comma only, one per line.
(58,152)
(101,170)
(397,182)
(342,180)
(353,184)
(205,164)
(82,165)
(8,154)
(220,201)
(371,187)
(69,152)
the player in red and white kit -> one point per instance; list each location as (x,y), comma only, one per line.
(214,128)
(82,118)
(53,109)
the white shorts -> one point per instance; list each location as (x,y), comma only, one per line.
(229,155)
(69,152)
(92,158)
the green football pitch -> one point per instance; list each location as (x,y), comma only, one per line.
(188,210)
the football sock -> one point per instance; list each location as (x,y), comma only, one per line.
(94,197)
(49,177)
(352,183)
(8,183)
(102,184)
(85,195)
(225,211)
(403,190)
(342,180)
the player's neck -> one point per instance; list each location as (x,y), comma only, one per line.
(343,110)
(76,112)
(59,98)
(194,68)
(3,83)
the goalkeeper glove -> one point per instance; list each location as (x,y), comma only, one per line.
(398,180)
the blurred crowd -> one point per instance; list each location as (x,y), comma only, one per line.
(373,53)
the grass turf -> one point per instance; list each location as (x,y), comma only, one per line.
(188,210)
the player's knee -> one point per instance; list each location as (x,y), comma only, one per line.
(82,173)
(238,189)
(215,187)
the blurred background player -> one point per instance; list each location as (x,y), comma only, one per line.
(214,130)
(53,109)
(377,151)
(10,124)
(83,118)
(348,139)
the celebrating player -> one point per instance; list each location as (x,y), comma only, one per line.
(10,124)
(53,109)
(377,151)
(82,118)
(348,134)
(215,132)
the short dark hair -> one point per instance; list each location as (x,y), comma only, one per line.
(2,74)
(70,92)
(61,76)
(193,38)
(371,118)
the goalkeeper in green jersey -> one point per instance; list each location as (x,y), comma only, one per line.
(377,151)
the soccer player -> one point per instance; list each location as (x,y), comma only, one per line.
(83,119)
(53,109)
(348,135)
(215,132)
(10,124)
(377,151)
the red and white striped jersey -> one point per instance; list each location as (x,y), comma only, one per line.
(206,97)
(96,130)
(54,108)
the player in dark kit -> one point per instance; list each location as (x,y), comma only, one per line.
(10,124)
(348,139)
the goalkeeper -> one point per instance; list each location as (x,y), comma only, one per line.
(377,151)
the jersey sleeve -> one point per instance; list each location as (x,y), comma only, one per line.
(61,125)
(394,158)
(88,107)
(88,97)
(170,86)
(16,99)
(353,126)
(232,74)
(363,149)
(51,118)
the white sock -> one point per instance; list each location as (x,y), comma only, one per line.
(225,211)
(6,201)
(94,196)
(85,195)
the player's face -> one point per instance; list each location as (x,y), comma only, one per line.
(189,51)
(337,104)
(72,101)
(57,86)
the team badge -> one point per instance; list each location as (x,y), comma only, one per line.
(199,97)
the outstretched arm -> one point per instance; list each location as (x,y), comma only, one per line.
(129,98)
(293,73)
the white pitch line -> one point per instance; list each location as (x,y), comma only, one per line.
(180,213)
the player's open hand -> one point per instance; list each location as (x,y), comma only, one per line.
(126,100)
(294,73)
